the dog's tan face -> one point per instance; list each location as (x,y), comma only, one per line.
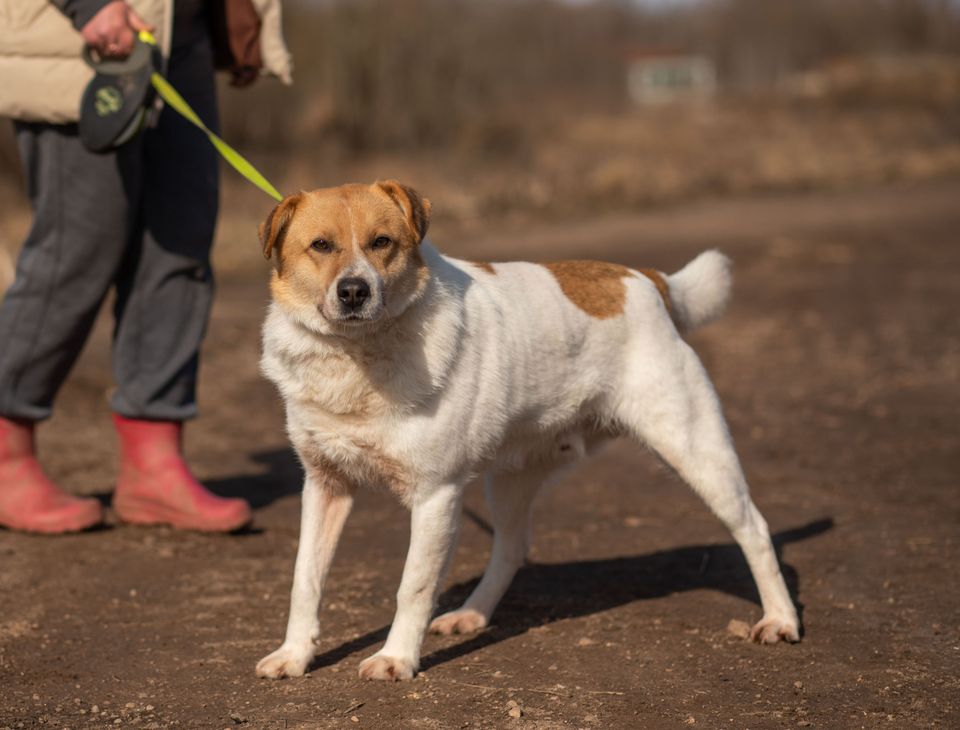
(347,258)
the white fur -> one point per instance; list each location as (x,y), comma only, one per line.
(498,374)
(701,289)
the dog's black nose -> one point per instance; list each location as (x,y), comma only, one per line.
(352,293)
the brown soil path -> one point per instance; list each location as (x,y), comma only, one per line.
(839,367)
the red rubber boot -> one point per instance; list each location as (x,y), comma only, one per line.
(155,486)
(29,501)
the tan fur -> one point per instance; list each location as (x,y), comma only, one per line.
(596,287)
(333,481)
(273,228)
(414,206)
(387,470)
(485,265)
(369,467)
(336,215)
(658,281)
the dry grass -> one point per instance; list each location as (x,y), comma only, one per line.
(593,164)
(482,76)
(509,110)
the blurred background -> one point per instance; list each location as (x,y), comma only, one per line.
(817,142)
(519,109)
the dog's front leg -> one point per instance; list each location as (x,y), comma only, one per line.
(434,524)
(323,513)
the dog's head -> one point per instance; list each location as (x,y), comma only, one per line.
(347,258)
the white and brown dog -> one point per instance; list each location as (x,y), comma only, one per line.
(401,367)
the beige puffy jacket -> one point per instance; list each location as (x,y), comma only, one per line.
(42,75)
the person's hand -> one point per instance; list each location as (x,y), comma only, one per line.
(112,31)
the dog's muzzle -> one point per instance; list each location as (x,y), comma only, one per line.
(353,293)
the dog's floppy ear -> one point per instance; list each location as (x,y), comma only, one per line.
(274,227)
(414,205)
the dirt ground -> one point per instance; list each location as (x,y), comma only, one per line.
(839,367)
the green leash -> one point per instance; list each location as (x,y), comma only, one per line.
(234,158)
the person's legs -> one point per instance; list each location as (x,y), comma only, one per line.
(81,226)
(164,295)
(165,290)
(82,223)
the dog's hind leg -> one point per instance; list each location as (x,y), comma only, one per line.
(323,514)
(434,523)
(510,498)
(674,409)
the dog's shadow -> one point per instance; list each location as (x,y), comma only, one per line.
(281,477)
(544,593)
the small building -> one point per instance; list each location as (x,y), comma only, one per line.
(663,77)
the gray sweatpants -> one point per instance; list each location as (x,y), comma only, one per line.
(141,220)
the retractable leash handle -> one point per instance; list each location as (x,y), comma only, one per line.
(113,108)
(178,104)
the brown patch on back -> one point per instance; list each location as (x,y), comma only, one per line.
(658,281)
(485,265)
(596,287)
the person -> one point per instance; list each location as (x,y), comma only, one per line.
(139,219)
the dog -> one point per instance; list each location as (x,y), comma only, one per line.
(406,369)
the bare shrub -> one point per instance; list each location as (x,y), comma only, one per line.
(522,104)
(485,76)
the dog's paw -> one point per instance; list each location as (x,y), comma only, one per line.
(386,668)
(461,621)
(771,629)
(284,662)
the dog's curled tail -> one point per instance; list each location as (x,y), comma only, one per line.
(699,292)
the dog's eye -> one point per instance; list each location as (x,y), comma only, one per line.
(380,242)
(322,245)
